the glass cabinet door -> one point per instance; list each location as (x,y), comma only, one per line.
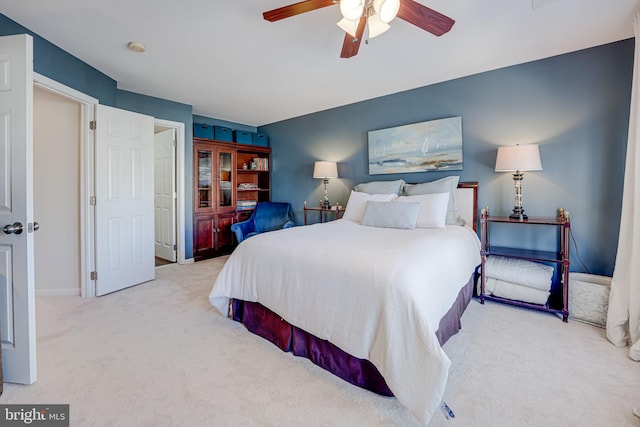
(204,184)
(225,170)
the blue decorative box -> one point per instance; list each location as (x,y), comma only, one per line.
(201,130)
(243,137)
(260,139)
(222,134)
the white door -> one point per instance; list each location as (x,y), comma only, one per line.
(17,291)
(124,199)
(165,194)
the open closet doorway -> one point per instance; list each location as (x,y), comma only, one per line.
(82,211)
(165,195)
(168,188)
(56,178)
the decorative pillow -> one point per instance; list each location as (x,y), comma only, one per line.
(448,184)
(357,202)
(381,187)
(391,215)
(433,209)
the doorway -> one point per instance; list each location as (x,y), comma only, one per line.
(176,179)
(84,185)
(56,182)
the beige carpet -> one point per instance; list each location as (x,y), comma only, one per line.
(159,355)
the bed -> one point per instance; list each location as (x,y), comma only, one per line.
(372,305)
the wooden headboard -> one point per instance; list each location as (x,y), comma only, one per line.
(467,195)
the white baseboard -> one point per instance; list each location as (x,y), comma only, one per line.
(57,292)
(187,261)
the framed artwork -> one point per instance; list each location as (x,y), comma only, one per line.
(435,145)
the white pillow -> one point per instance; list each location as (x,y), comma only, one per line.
(381,187)
(449,184)
(433,209)
(391,215)
(357,202)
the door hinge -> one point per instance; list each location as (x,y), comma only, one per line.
(93,125)
(92,200)
(94,275)
(175,247)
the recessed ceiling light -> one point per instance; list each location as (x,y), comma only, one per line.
(136,47)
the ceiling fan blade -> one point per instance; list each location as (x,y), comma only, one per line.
(425,18)
(351,44)
(295,9)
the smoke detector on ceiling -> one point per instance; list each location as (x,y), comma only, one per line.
(136,47)
(537,4)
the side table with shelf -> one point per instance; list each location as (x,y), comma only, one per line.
(559,257)
(334,210)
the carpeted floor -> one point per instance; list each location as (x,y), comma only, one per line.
(159,355)
(162,261)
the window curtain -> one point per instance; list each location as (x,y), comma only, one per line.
(623,316)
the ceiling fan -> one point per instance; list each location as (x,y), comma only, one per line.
(375,13)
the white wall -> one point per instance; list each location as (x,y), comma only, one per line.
(56,161)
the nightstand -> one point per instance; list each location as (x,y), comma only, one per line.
(335,210)
(559,256)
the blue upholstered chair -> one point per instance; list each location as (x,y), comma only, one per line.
(267,216)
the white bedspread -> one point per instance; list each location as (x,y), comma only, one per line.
(376,293)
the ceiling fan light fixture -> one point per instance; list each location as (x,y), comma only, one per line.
(376,26)
(352,9)
(371,16)
(386,9)
(350,27)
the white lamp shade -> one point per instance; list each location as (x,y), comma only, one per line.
(350,27)
(376,26)
(518,158)
(352,9)
(386,9)
(325,170)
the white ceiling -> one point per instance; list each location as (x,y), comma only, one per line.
(229,63)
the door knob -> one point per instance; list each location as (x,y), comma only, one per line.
(36,226)
(15,228)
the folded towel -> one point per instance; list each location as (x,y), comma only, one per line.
(514,291)
(519,271)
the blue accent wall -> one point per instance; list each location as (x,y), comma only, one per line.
(576,106)
(55,63)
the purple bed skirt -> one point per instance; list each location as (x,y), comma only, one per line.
(361,372)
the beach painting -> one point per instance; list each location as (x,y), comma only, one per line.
(435,145)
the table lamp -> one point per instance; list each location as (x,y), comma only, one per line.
(518,159)
(325,170)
